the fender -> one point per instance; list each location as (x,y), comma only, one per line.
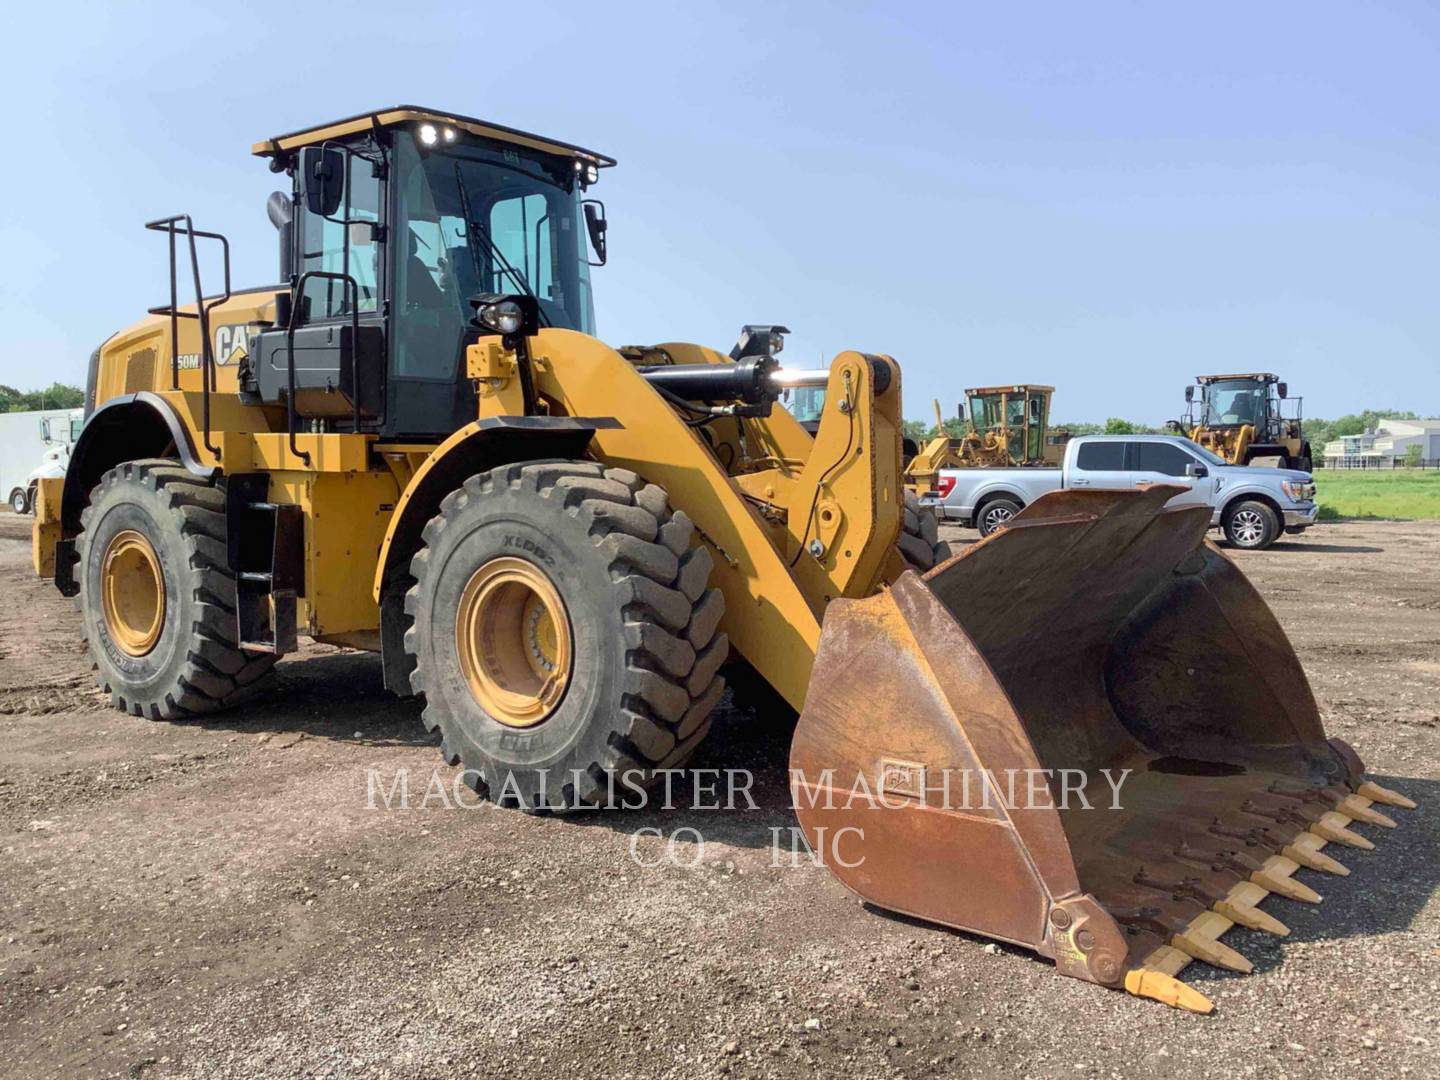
(478,446)
(125,428)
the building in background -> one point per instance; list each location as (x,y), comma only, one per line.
(1387,446)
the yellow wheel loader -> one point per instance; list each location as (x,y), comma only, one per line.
(415,445)
(1242,419)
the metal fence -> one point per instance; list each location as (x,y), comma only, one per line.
(1379,463)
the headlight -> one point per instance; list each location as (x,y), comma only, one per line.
(504,317)
(1297,492)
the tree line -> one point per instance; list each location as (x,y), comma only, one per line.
(56,396)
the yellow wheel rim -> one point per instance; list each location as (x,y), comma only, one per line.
(512,635)
(132,591)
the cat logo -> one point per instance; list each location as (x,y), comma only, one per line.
(232,344)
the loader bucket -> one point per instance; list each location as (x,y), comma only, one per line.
(1087,735)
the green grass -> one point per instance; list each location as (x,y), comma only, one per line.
(1398,493)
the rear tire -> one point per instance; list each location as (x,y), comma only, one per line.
(1251,525)
(157,597)
(624,595)
(920,541)
(995,514)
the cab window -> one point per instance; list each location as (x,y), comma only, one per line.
(1101,457)
(1163,458)
(344,243)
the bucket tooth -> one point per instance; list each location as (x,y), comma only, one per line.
(1241,907)
(1376,793)
(1305,849)
(1277,875)
(1155,979)
(1359,808)
(1335,826)
(1201,940)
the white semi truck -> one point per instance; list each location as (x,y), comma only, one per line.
(34,445)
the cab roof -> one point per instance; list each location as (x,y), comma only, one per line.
(1018,388)
(1262,376)
(414,114)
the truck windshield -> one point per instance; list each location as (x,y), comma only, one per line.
(482,218)
(1234,401)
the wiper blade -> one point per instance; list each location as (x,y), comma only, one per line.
(497,256)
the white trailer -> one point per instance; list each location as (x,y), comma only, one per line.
(31,442)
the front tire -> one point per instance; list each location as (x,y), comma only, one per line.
(1251,525)
(18,502)
(157,596)
(565,638)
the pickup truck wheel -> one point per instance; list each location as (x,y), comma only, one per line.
(995,514)
(1251,524)
(18,500)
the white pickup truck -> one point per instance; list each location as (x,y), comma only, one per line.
(1252,506)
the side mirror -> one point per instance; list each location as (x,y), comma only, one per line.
(322,169)
(45,430)
(960,411)
(596,225)
(1283,389)
(1189,394)
(1197,470)
(1035,410)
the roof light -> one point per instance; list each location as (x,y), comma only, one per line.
(449,134)
(428,135)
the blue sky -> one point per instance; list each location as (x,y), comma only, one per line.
(1109,197)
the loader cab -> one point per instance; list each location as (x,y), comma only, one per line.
(398,221)
(1230,402)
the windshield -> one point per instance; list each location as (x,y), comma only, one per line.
(984,411)
(808,403)
(482,218)
(1234,401)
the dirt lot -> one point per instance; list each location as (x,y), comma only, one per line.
(219,899)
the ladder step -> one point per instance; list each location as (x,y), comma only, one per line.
(262,576)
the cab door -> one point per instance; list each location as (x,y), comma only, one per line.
(1167,463)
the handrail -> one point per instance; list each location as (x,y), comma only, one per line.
(201,313)
(352,291)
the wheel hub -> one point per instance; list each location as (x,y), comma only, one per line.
(1248,526)
(512,637)
(132,590)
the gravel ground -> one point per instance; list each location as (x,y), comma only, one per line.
(219,898)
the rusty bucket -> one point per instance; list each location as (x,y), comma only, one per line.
(1087,735)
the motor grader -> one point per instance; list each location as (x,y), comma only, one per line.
(1241,418)
(1008,426)
(415,445)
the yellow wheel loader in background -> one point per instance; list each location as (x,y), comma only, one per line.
(1240,418)
(416,446)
